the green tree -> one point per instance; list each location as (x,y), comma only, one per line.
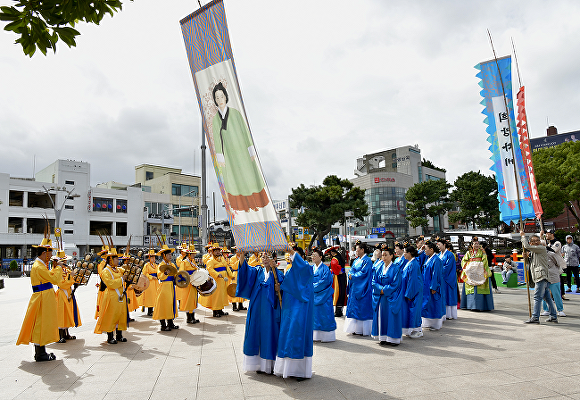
(325,204)
(427,199)
(41,23)
(558,178)
(476,196)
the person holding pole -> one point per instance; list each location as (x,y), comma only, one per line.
(539,270)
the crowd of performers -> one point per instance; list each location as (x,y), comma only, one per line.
(398,292)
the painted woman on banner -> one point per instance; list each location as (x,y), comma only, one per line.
(236,156)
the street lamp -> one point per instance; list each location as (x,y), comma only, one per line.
(348,215)
(58,211)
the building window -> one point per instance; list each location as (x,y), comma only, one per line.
(69,182)
(186,230)
(184,190)
(15,198)
(183,213)
(148,175)
(68,231)
(121,229)
(69,207)
(102,204)
(100,228)
(69,222)
(121,206)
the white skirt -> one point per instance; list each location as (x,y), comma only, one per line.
(299,368)
(257,363)
(389,339)
(324,336)
(451,312)
(432,323)
(360,327)
(408,331)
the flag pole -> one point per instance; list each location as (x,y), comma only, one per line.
(514,164)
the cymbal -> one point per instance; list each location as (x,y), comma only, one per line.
(168,270)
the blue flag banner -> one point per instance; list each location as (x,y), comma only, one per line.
(252,216)
(501,128)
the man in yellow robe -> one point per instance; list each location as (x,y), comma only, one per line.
(217,268)
(233,264)
(188,302)
(100,266)
(40,325)
(165,310)
(66,307)
(179,292)
(113,307)
(149,296)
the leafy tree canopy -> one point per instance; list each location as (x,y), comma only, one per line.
(427,199)
(325,204)
(476,195)
(558,178)
(41,23)
(429,164)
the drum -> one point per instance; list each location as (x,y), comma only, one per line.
(141,285)
(204,283)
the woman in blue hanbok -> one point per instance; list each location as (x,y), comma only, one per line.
(387,300)
(263,319)
(359,307)
(324,323)
(400,260)
(295,345)
(412,282)
(433,312)
(449,279)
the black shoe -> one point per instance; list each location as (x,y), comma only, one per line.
(222,313)
(131,319)
(171,325)
(61,340)
(150,311)
(241,307)
(61,334)
(45,357)
(300,379)
(532,321)
(553,320)
(383,343)
(216,313)
(568,290)
(67,335)
(235,307)
(164,326)
(120,337)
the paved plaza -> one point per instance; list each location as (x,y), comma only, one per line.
(480,356)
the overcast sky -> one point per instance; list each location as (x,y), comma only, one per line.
(324,82)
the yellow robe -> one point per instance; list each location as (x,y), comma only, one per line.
(149,296)
(179,292)
(113,312)
(189,299)
(233,275)
(219,298)
(99,293)
(40,325)
(205,258)
(165,305)
(64,302)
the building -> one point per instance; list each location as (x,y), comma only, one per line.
(385,177)
(62,193)
(171,203)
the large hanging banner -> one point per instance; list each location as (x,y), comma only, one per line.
(252,216)
(527,151)
(502,136)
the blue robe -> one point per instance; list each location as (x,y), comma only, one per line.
(413,295)
(450,278)
(295,340)
(432,280)
(263,318)
(359,304)
(400,263)
(390,302)
(323,291)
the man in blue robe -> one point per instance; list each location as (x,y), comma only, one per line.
(387,300)
(324,322)
(295,346)
(432,313)
(359,308)
(413,294)
(263,318)
(449,279)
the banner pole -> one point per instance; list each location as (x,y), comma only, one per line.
(514,164)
